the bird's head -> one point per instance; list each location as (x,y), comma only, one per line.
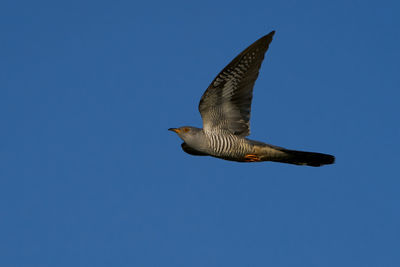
(186,133)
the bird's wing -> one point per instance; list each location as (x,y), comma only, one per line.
(192,151)
(226,104)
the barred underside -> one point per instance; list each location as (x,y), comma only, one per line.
(228,146)
(232,147)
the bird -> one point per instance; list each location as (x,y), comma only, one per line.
(225,110)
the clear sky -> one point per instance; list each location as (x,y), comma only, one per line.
(90,176)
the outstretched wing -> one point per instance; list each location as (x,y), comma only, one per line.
(191,150)
(226,104)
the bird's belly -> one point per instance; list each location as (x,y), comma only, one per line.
(236,150)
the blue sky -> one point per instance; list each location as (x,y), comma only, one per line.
(90,176)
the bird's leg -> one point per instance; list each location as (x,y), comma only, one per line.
(251,158)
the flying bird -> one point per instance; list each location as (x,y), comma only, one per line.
(225,109)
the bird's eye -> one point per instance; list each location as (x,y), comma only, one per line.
(186,130)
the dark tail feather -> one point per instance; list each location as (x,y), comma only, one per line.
(304,158)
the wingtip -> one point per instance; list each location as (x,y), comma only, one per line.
(271,33)
(268,36)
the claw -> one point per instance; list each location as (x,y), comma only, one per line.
(251,158)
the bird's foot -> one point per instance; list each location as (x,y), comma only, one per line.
(251,158)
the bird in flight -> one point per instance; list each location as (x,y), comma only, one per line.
(225,109)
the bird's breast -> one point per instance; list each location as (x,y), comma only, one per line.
(227,146)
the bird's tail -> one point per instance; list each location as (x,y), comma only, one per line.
(279,154)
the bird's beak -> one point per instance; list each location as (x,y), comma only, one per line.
(174,130)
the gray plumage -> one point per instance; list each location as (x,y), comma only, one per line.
(225,109)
